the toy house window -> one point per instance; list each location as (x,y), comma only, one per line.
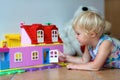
(35,55)
(18,57)
(53,55)
(40,35)
(54,35)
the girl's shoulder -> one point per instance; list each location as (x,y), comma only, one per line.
(105,37)
(101,40)
(115,42)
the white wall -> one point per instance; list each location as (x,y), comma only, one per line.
(58,12)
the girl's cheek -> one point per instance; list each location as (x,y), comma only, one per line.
(77,37)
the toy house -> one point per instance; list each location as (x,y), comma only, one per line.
(42,42)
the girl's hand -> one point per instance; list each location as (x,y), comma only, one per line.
(62,57)
(72,66)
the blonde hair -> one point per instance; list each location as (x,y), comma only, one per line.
(89,21)
(108,27)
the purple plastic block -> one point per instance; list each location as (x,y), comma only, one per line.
(53,66)
(31,69)
(58,66)
(34,69)
(42,68)
(4,49)
(26,69)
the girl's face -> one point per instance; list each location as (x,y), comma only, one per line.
(82,37)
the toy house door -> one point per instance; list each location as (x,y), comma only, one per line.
(46,56)
(40,36)
(4,61)
(53,56)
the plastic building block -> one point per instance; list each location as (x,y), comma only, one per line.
(62,64)
(4,65)
(22,23)
(13,40)
(49,23)
(3,44)
(53,56)
(8,72)
(4,55)
(51,66)
(42,68)
(31,69)
(4,49)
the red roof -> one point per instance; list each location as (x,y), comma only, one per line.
(32,32)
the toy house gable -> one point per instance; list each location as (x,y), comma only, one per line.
(37,34)
(29,34)
(51,34)
(25,39)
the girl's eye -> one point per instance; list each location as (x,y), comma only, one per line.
(78,33)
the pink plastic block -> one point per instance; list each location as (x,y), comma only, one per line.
(26,55)
(4,49)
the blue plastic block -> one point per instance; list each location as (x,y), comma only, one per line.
(4,65)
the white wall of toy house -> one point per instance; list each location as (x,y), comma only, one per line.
(58,12)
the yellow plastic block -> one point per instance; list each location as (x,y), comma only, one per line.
(3,43)
(13,40)
(63,64)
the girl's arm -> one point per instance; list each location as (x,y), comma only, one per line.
(105,48)
(84,59)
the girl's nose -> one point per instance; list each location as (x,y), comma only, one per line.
(77,36)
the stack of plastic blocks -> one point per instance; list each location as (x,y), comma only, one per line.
(42,68)
(30,69)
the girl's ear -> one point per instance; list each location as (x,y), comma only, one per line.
(93,34)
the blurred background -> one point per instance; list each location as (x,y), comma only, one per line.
(58,12)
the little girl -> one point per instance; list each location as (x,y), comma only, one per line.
(100,49)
